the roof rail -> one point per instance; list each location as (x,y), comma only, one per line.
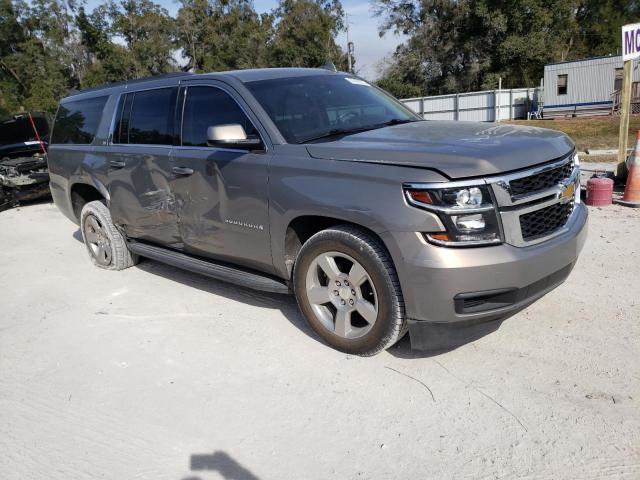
(132,81)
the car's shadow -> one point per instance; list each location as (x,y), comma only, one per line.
(285,303)
(443,342)
(289,308)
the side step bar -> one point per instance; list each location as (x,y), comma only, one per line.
(237,276)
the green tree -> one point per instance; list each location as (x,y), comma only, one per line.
(49,47)
(600,24)
(305,32)
(148,33)
(462,45)
(219,35)
(106,60)
(38,54)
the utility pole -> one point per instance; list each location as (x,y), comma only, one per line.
(349,45)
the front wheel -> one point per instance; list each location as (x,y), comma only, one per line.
(348,291)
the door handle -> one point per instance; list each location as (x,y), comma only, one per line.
(182,170)
(117,164)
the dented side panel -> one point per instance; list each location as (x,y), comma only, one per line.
(143,203)
(223,205)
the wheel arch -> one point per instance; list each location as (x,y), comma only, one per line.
(302,227)
(82,192)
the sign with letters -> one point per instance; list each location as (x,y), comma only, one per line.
(630,41)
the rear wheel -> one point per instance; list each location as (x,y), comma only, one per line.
(106,246)
(348,291)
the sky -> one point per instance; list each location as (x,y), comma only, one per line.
(370,49)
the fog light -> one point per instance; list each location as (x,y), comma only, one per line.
(470,223)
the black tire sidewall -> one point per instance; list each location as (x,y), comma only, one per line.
(121,258)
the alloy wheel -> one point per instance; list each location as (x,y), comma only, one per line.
(97,240)
(342,295)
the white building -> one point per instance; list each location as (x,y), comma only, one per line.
(586,87)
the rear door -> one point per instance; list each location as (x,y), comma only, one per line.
(140,166)
(222,197)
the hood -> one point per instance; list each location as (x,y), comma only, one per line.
(456,149)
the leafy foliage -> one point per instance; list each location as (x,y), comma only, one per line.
(304,34)
(223,35)
(464,45)
(49,47)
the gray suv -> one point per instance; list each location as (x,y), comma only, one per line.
(318,183)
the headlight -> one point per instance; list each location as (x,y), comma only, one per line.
(468,213)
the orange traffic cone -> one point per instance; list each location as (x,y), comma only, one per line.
(631,197)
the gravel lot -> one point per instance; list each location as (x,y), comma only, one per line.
(155,373)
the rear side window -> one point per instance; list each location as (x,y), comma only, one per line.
(77,122)
(206,107)
(151,117)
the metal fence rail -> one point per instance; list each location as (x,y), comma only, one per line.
(484,106)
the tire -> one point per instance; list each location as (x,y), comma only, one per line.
(106,246)
(363,330)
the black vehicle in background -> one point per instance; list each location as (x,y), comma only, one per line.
(23,159)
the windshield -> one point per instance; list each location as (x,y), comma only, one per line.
(309,108)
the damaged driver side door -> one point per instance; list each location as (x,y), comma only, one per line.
(140,167)
(222,193)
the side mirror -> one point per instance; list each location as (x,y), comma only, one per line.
(231,136)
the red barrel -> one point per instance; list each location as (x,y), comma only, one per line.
(599,191)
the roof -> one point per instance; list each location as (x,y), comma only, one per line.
(257,74)
(584,60)
(245,76)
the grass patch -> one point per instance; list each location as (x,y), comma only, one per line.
(589,133)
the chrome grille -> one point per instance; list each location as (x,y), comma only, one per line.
(536,205)
(541,181)
(541,223)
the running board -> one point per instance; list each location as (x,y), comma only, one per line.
(237,276)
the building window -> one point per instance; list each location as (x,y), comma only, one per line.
(617,83)
(562,84)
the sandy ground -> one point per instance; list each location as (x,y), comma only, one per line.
(154,373)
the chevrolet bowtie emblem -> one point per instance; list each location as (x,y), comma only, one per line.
(568,192)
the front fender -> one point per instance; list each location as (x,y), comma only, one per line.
(368,195)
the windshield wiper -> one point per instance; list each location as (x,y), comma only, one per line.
(397,121)
(335,132)
(348,131)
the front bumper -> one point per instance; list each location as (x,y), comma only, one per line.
(436,280)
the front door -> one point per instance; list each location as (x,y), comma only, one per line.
(140,167)
(222,196)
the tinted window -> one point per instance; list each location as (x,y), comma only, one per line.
(208,106)
(307,107)
(151,118)
(77,122)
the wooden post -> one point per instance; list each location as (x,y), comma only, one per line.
(625,101)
